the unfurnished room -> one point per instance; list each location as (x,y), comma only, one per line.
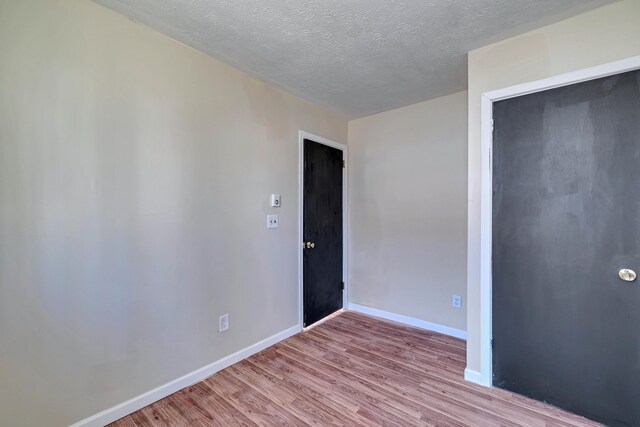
(319,213)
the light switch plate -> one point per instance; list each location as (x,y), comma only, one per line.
(273,221)
(275,200)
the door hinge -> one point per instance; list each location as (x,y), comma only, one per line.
(491,343)
(342,285)
(343,164)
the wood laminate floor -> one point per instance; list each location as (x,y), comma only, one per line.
(351,370)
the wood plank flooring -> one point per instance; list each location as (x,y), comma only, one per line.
(351,370)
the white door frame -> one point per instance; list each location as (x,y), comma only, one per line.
(486,191)
(302,135)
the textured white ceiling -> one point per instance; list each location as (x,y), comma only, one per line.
(356,57)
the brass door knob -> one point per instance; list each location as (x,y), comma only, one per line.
(308,245)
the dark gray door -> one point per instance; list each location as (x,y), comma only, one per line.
(566,220)
(322,231)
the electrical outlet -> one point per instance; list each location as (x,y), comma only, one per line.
(273,221)
(456,301)
(223,323)
(275,200)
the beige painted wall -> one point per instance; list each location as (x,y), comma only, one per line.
(135,176)
(603,35)
(407,201)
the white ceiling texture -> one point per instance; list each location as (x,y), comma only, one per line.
(355,57)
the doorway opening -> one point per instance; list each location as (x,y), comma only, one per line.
(487,232)
(322,250)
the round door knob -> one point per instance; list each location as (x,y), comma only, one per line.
(627,275)
(313,245)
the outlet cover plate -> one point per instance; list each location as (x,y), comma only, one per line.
(223,323)
(456,301)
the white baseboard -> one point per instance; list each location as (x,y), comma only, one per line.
(476,377)
(115,413)
(410,321)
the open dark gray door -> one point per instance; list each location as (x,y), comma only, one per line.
(566,221)
(322,231)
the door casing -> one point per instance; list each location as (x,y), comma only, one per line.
(485,376)
(302,135)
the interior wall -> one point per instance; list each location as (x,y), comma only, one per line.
(407,208)
(135,176)
(597,37)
